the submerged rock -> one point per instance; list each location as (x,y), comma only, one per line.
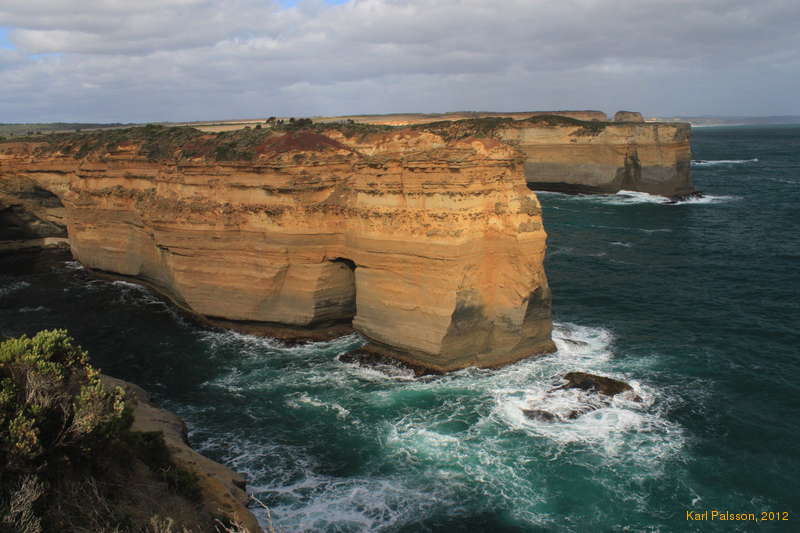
(685,197)
(366,358)
(595,383)
(576,343)
(604,387)
(538,414)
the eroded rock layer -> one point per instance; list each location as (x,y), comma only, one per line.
(432,245)
(605,157)
(584,152)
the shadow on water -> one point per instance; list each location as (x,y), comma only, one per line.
(695,304)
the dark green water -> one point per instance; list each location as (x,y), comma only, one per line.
(695,304)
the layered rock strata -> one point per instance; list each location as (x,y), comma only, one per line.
(406,119)
(583,152)
(604,157)
(432,246)
(28,212)
(628,116)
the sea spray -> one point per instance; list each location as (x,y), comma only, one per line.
(699,315)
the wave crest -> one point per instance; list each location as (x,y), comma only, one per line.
(709,163)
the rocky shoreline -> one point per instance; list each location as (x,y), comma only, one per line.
(222,490)
(426,240)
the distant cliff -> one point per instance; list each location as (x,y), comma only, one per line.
(583,151)
(604,157)
(427,240)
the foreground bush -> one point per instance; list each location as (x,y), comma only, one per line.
(68,460)
(53,407)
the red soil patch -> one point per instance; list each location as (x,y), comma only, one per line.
(300,141)
(202,147)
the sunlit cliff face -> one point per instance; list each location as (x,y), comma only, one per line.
(431,246)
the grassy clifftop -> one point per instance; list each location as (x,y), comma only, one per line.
(158,143)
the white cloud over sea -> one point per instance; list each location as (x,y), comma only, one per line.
(119,60)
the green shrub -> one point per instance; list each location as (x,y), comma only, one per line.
(54,414)
(52,403)
(68,458)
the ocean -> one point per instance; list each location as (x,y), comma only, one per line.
(695,304)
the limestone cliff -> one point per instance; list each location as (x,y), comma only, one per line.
(29,212)
(584,152)
(407,119)
(431,244)
(604,157)
(628,116)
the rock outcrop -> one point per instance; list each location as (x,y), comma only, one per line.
(603,157)
(592,382)
(429,243)
(29,212)
(582,152)
(595,392)
(628,116)
(222,489)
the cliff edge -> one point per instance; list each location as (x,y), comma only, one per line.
(566,155)
(582,151)
(428,242)
(221,489)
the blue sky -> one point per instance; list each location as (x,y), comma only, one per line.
(159,60)
(4,41)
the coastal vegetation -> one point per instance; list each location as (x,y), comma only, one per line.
(42,128)
(68,458)
(158,143)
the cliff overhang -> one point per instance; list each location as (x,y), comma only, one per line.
(426,240)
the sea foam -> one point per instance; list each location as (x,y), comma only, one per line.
(13,287)
(459,437)
(708,163)
(629,198)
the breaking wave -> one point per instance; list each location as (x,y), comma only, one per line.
(707,163)
(627,198)
(460,437)
(624,197)
(73,265)
(5,290)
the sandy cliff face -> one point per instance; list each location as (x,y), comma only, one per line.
(28,211)
(432,247)
(582,151)
(628,116)
(604,157)
(406,119)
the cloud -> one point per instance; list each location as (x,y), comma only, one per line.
(196,59)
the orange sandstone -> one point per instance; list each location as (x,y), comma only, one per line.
(432,246)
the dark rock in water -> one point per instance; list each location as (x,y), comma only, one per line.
(604,386)
(576,343)
(592,382)
(684,197)
(578,412)
(371,359)
(538,414)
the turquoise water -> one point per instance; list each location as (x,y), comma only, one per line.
(695,304)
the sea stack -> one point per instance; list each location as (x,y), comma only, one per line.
(430,244)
